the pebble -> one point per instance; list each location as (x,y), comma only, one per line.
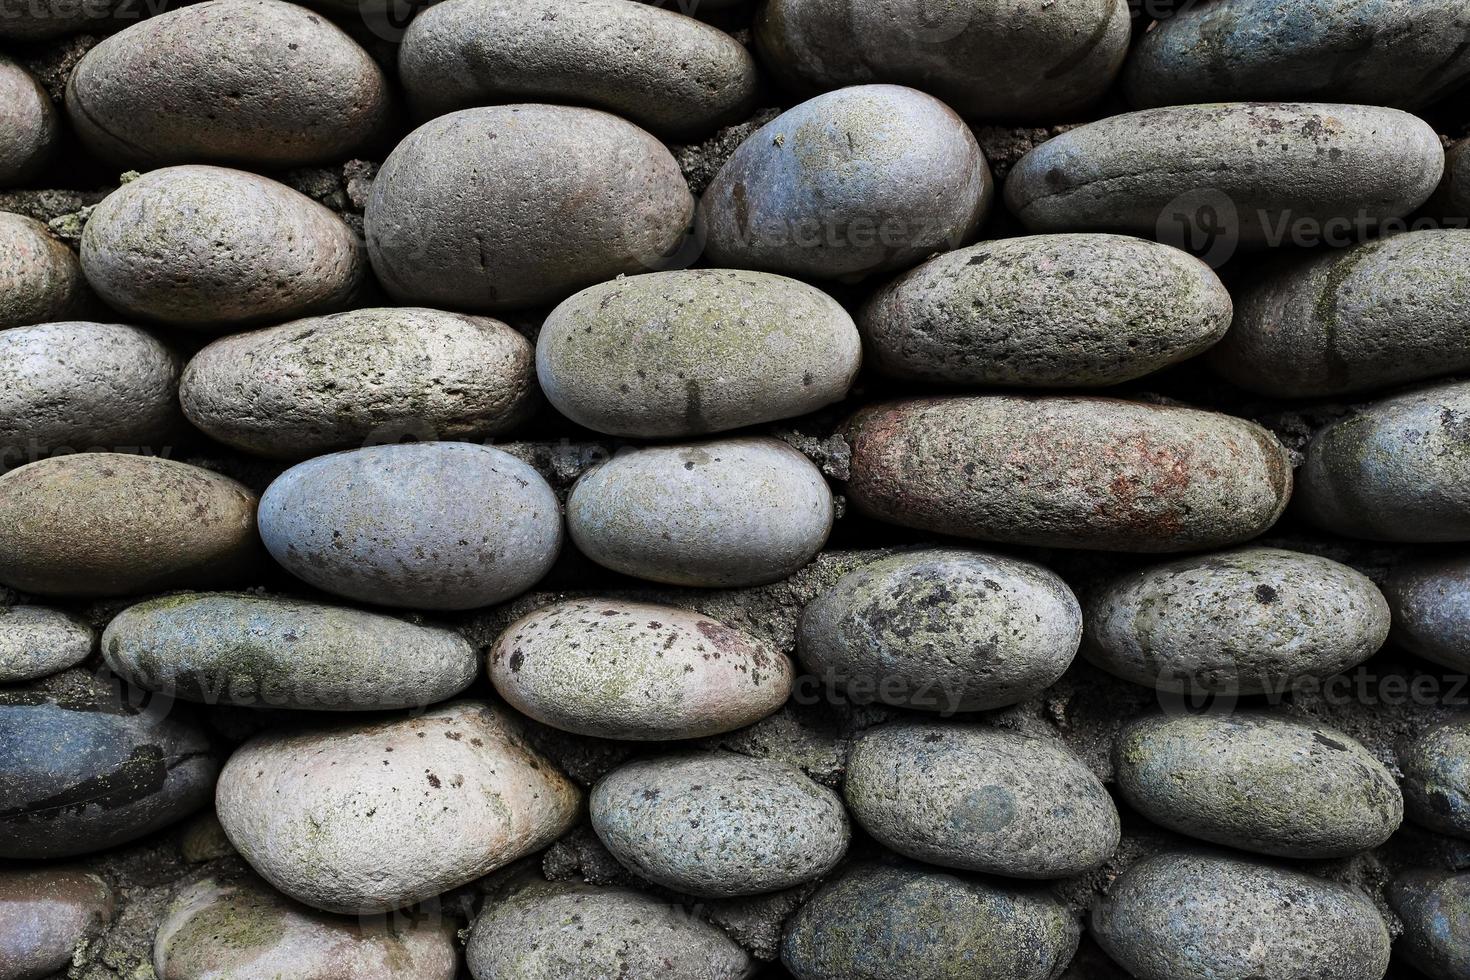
(689,353)
(631,670)
(35,642)
(202,839)
(941,630)
(563,198)
(362,377)
(103,524)
(664,71)
(921,924)
(285,653)
(980,799)
(376,815)
(719,825)
(1220,169)
(987,58)
(40,278)
(432,525)
(1402,53)
(89,765)
(238,928)
(175,89)
(28,123)
(44,914)
(1206,916)
(1067,472)
(1046,311)
(85,386)
(1430,600)
(1435,910)
(864,180)
(252,250)
(723,514)
(1398,470)
(1258,782)
(1452,199)
(559,931)
(1243,622)
(1436,782)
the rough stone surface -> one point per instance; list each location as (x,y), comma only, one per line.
(36,641)
(1430,600)
(1436,780)
(40,278)
(1435,910)
(29,130)
(44,914)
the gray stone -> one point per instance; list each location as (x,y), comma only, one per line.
(40,278)
(35,641)
(44,915)
(981,799)
(631,670)
(727,513)
(1452,198)
(941,630)
(864,180)
(1436,783)
(29,129)
(1435,910)
(507,207)
(431,525)
(1205,916)
(1430,600)
(719,825)
(689,353)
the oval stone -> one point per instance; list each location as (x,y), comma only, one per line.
(666,72)
(238,928)
(1399,470)
(1436,767)
(366,376)
(942,630)
(723,514)
(89,765)
(40,278)
(863,180)
(1203,916)
(562,198)
(253,250)
(44,915)
(375,815)
(29,124)
(1258,782)
(35,641)
(99,387)
(1068,472)
(1431,610)
(1435,910)
(100,524)
(1237,622)
(174,89)
(719,825)
(557,931)
(284,653)
(636,671)
(432,525)
(1245,173)
(1046,311)
(921,924)
(982,799)
(689,353)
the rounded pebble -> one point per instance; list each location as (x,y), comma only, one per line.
(1435,910)
(35,642)
(40,278)
(29,128)
(1431,610)
(44,915)
(1436,767)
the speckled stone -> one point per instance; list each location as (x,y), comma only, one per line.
(864,180)
(1206,916)
(1435,910)
(44,914)
(35,641)
(430,525)
(922,924)
(986,58)
(1067,472)
(981,799)
(548,931)
(632,670)
(98,524)
(375,815)
(252,250)
(29,129)
(1431,610)
(689,353)
(1246,172)
(1436,783)
(89,765)
(942,630)
(719,825)
(562,198)
(361,377)
(238,928)
(728,513)
(1399,470)
(1237,622)
(40,278)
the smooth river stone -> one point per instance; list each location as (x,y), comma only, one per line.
(44,914)
(689,353)
(1435,910)
(40,278)
(1436,781)
(432,525)
(1430,600)
(35,642)
(1067,472)
(369,816)
(29,129)
(631,670)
